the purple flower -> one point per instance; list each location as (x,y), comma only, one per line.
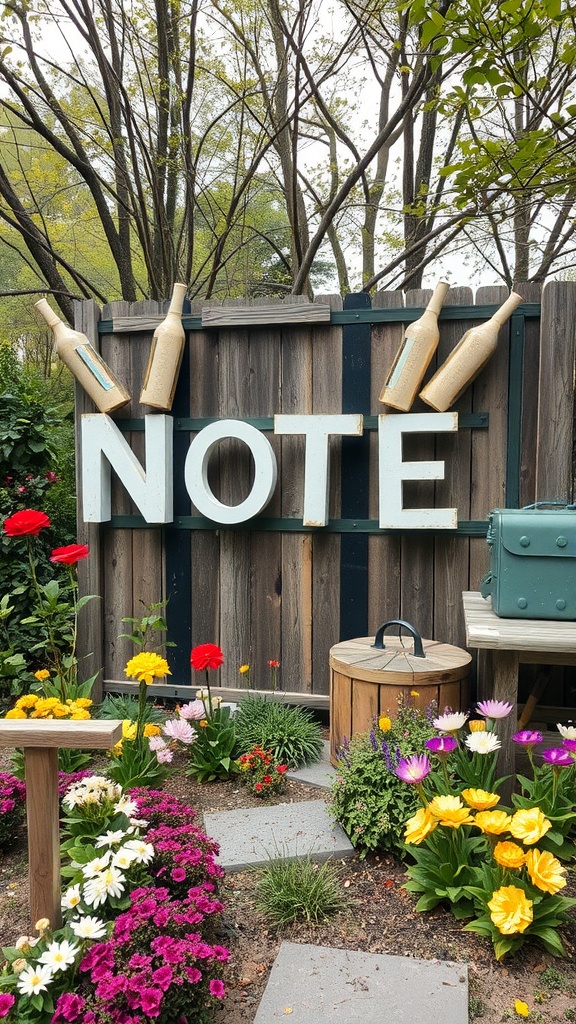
(441,744)
(570,745)
(373,741)
(413,769)
(528,737)
(494,708)
(151,1001)
(558,757)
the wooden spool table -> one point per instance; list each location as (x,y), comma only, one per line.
(367,680)
(40,739)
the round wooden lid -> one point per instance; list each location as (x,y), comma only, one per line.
(396,663)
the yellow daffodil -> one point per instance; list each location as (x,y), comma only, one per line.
(494,823)
(509,855)
(479,799)
(450,811)
(147,666)
(419,826)
(529,825)
(545,871)
(510,910)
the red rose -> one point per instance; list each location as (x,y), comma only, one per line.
(71,554)
(24,523)
(206,656)
(281,768)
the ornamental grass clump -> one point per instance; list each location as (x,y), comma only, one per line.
(499,866)
(289,732)
(299,890)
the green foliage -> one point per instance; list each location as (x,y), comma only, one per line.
(136,765)
(262,775)
(124,706)
(149,631)
(299,890)
(212,752)
(291,733)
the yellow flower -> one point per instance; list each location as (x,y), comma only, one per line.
(150,729)
(42,924)
(479,799)
(414,693)
(477,725)
(128,729)
(546,872)
(29,700)
(16,713)
(419,826)
(493,822)
(509,855)
(529,825)
(244,669)
(42,674)
(521,1008)
(147,666)
(81,702)
(203,723)
(510,911)
(80,715)
(384,723)
(450,811)
(61,711)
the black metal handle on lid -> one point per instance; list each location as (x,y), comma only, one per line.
(379,638)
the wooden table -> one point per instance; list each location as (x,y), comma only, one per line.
(513,642)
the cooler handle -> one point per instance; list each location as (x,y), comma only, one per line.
(379,638)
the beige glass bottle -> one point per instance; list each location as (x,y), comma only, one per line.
(87,365)
(468,358)
(165,357)
(413,357)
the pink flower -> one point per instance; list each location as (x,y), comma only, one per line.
(494,708)
(178,875)
(557,756)
(179,729)
(193,710)
(151,1001)
(528,737)
(413,769)
(68,1007)
(441,744)
(217,988)
(7,1001)
(164,756)
(156,743)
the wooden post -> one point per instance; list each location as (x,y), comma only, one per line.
(41,739)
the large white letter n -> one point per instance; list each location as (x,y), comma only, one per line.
(105,448)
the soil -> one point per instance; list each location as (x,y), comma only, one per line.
(379,918)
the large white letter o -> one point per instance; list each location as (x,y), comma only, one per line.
(196,472)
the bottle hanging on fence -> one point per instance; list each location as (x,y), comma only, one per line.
(165,357)
(413,357)
(87,365)
(467,360)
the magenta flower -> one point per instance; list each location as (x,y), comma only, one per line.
(413,769)
(217,988)
(558,757)
(494,708)
(570,745)
(528,737)
(441,744)
(6,1003)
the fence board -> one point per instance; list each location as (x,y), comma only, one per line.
(556,392)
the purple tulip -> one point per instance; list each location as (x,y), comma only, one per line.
(528,738)
(413,769)
(558,757)
(441,744)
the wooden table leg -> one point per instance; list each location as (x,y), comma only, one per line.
(505,687)
(42,809)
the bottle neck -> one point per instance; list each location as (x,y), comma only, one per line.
(501,315)
(438,296)
(178,295)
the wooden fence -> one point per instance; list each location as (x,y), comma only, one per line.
(273,589)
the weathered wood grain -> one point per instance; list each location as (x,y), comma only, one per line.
(554,478)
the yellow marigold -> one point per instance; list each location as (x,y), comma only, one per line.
(81,702)
(61,711)
(509,855)
(42,674)
(529,825)
(450,811)
(147,666)
(16,713)
(493,822)
(29,700)
(522,1008)
(244,669)
(384,723)
(419,826)
(48,702)
(510,911)
(479,799)
(80,715)
(546,872)
(477,725)
(150,729)
(128,729)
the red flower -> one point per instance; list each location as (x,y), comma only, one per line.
(258,787)
(274,664)
(51,477)
(281,768)
(71,554)
(24,523)
(267,779)
(206,656)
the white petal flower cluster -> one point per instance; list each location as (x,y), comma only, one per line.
(482,742)
(94,789)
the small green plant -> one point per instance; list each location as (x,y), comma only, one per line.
(570,1014)
(553,979)
(299,889)
(289,732)
(149,631)
(476,1008)
(124,706)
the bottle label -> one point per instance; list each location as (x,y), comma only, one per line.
(406,350)
(96,365)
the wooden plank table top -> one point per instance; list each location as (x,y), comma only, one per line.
(485,629)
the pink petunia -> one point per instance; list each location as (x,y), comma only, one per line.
(217,988)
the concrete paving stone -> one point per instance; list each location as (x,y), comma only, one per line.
(319,985)
(321,774)
(250,837)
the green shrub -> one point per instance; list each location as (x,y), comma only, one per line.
(124,706)
(368,799)
(299,889)
(291,733)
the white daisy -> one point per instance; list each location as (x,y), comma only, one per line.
(568,732)
(450,722)
(124,805)
(33,980)
(71,898)
(96,866)
(59,955)
(88,927)
(482,742)
(123,858)
(110,838)
(110,883)
(144,852)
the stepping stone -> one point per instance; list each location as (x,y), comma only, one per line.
(321,774)
(319,985)
(252,836)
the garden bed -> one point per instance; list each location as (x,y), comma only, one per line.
(380,919)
